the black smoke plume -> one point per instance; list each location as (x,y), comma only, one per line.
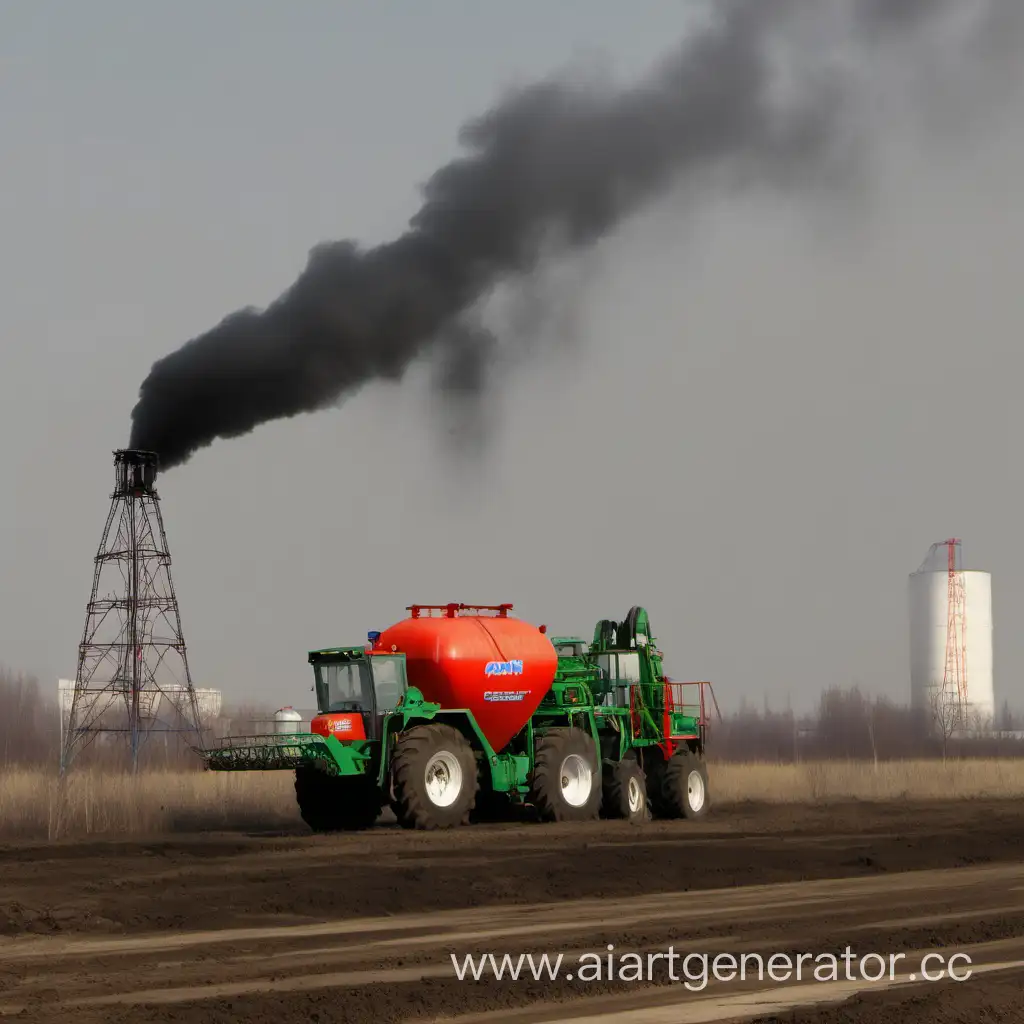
(552,168)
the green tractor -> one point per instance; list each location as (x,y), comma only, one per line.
(459,712)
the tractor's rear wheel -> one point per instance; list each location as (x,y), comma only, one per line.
(434,777)
(625,792)
(684,786)
(336,803)
(566,784)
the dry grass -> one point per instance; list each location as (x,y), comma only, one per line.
(105,803)
(821,781)
(33,806)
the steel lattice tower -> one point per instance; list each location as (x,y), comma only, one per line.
(133,677)
(954,683)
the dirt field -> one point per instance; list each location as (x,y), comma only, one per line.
(291,927)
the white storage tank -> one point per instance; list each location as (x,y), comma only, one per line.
(65,695)
(210,702)
(287,720)
(929,629)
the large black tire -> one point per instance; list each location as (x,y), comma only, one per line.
(625,791)
(566,783)
(434,777)
(337,803)
(684,786)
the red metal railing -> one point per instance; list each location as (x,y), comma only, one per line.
(452,610)
(696,707)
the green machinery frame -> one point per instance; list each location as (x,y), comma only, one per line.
(640,711)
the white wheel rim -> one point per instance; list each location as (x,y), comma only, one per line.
(695,790)
(635,797)
(577,780)
(443,778)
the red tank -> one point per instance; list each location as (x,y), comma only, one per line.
(496,666)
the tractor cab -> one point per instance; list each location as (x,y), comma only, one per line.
(354,690)
(628,660)
(569,646)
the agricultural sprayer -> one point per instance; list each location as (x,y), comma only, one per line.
(459,709)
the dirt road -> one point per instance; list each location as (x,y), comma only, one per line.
(310,928)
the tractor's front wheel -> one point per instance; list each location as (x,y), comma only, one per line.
(684,786)
(434,777)
(566,783)
(336,803)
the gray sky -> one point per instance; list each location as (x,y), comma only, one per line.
(771,409)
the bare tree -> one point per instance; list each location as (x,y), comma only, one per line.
(946,715)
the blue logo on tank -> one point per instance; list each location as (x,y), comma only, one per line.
(503,668)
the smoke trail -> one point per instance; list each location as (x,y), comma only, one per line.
(552,168)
